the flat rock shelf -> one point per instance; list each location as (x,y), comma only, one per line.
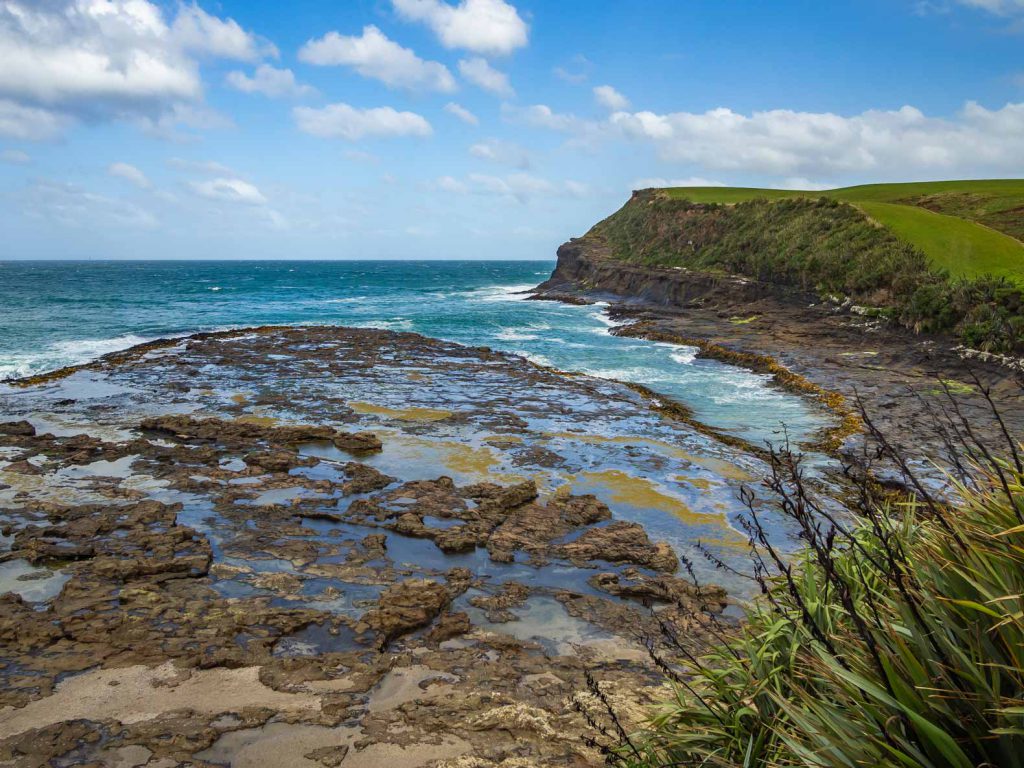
(325,546)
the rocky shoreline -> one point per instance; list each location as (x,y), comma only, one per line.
(829,351)
(328,546)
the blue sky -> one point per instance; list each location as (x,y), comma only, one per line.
(470,128)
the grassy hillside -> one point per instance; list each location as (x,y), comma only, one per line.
(833,246)
(967,228)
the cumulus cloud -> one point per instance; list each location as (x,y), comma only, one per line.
(462,113)
(129,173)
(269,81)
(483,75)
(609,98)
(229,190)
(15,157)
(342,121)
(375,56)
(65,60)
(482,26)
(784,142)
(196,30)
(503,152)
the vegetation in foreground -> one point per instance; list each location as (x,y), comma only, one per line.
(825,246)
(897,640)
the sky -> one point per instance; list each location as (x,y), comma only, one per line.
(470,129)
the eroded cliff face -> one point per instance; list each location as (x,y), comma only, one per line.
(585,267)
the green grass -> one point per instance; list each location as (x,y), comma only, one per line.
(961,247)
(969,228)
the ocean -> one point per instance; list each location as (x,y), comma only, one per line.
(54,314)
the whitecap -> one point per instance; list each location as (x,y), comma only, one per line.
(398,324)
(82,350)
(534,358)
(685,356)
(511,334)
(501,292)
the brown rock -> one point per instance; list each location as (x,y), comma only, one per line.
(621,542)
(17,429)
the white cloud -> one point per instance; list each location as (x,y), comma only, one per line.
(129,173)
(521,187)
(93,60)
(482,74)
(482,26)
(209,167)
(374,55)
(15,157)
(71,205)
(342,121)
(196,30)
(542,116)
(503,152)
(451,184)
(462,113)
(659,182)
(29,123)
(229,190)
(269,81)
(903,142)
(1000,7)
(609,98)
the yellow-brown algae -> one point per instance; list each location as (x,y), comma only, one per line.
(402,414)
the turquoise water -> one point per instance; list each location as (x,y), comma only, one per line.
(59,313)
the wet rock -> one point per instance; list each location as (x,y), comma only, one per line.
(496,607)
(516,718)
(621,542)
(243,432)
(331,757)
(636,585)
(535,529)
(404,607)
(17,429)
(364,479)
(448,626)
(24,467)
(277,461)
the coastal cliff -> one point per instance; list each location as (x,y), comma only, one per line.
(585,267)
(666,250)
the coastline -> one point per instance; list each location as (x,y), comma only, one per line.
(830,353)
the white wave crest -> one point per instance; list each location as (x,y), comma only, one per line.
(501,292)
